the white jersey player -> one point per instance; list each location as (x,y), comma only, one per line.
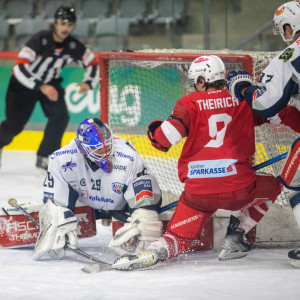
(106,173)
(279,82)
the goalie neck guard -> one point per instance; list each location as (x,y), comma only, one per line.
(95,140)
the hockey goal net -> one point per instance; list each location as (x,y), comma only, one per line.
(139,87)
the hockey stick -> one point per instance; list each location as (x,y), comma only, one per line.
(257,167)
(13,202)
(271,161)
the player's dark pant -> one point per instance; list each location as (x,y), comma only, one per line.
(20,103)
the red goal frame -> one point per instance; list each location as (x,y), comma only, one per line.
(104,58)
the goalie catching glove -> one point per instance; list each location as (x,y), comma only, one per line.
(143,228)
(58,226)
(236,82)
(150,133)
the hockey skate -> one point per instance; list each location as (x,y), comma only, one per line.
(235,244)
(129,262)
(294,256)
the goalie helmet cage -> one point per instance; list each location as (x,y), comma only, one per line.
(139,87)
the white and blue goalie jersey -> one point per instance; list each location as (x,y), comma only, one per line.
(71,177)
(278,82)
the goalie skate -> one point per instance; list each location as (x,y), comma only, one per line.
(294,256)
(139,261)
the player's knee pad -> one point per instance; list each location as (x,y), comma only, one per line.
(187,222)
(290,174)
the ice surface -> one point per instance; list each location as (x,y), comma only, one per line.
(263,274)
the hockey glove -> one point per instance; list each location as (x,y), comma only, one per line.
(236,81)
(58,226)
(143,228)
(150,133)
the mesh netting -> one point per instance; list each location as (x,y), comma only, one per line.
(141,91)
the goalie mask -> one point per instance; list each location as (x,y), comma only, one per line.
(210,67)
(287,14)
(95,140)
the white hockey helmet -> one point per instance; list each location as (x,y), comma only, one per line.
(210,67)
(288,13)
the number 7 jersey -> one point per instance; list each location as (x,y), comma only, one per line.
(220,144)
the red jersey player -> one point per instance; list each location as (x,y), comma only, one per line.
(215,165)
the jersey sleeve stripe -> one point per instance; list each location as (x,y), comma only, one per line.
(171,133)
(21,61)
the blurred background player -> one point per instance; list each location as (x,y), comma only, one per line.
(36,77)
(278,83)
(215,165)
(106,173)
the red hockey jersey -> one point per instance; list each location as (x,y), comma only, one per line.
(220,144)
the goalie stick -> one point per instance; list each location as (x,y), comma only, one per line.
(13,202)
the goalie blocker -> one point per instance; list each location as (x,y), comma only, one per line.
(16,230)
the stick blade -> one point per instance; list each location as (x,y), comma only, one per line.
(96,268)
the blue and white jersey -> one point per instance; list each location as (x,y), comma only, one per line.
(72,177)
(279,81)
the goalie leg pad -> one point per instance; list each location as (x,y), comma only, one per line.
(58,225)
(143,228)
(290,174)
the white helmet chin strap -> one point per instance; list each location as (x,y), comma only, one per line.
(290,40)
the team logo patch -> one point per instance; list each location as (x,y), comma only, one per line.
(259,92)
(287,54)
(69,165)
(83,193)
(143,190)
(101,199)
(48,196)
(211,168)
(63,152)
(120,168)
(200,59)
(117,187)
(123,155)
(57,51)
(278,12)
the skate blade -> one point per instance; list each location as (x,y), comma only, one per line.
(96,268)
(231,255)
